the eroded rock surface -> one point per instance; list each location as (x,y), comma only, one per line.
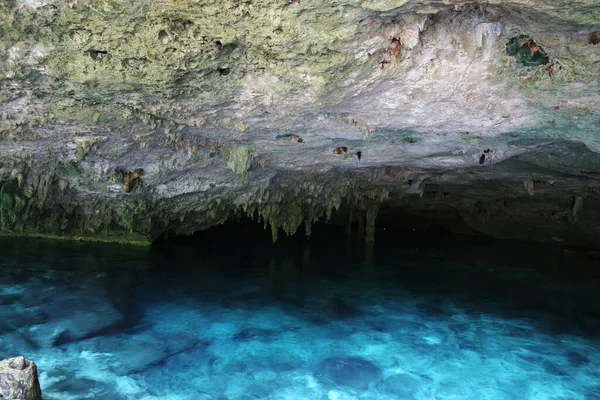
(127,120)
(19,380)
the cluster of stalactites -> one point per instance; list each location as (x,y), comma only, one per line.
(307,204)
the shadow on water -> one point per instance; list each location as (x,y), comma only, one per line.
(556,290)
(559,291)
(190,313)
(120,270)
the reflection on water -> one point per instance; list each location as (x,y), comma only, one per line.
(228,315)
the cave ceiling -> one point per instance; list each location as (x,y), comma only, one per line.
(127,120)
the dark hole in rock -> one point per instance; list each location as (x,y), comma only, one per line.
(163,36)
(225,48)
(135,62)
(98,55)
(224,71)
(526,51)
(182,24)
(594,38)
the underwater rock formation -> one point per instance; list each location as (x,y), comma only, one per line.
(353,372)
(19,380)
(129,120)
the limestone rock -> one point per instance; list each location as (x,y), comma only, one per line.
(19,380)
(184,114)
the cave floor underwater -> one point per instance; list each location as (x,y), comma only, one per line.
(226,314)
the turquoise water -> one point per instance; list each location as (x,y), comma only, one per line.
(228,315)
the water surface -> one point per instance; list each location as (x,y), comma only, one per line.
(228,315)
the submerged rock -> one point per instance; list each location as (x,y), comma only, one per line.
(74,386)
(249,334)
(353,372)
(403,386)
(137,352)
(19,380)
(72,316)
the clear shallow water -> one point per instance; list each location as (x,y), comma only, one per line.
(227,315)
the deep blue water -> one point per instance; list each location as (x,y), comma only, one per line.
(228,315)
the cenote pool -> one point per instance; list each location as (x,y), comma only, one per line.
(228,315)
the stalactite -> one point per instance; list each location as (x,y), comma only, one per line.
(349,224)
(372,212)
(307,228)
(274,231)
(529,187)
(361,224)
(577,204)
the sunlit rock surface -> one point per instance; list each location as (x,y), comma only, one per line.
(127,120)
(19,380)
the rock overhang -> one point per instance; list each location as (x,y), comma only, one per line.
(128,120)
